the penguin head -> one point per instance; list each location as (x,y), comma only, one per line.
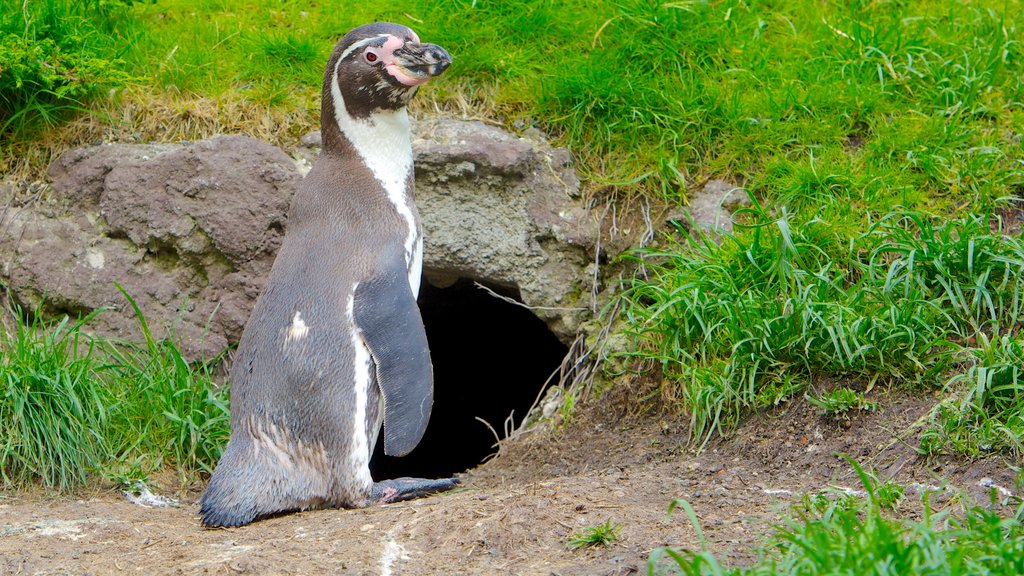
(380,66)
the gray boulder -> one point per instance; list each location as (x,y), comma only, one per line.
(190,230)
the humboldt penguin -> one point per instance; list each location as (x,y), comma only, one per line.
(335,346)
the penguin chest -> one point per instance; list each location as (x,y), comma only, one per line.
(384,146)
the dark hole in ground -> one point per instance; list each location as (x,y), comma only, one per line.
(490,357)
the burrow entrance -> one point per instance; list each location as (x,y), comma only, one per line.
(491,359)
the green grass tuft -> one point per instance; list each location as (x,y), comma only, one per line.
(173,409)
(740,325)
(76,408)
(53,408)
(54,56)
(986,411)
(603,534)
(840,402)
(855,536)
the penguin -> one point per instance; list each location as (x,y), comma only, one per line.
(335,347)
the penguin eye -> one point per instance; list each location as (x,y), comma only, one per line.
(370,57)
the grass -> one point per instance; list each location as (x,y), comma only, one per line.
(987,411)
(603,534)
(53,409)
(856,536)
(174,409)
(912,299)
(54,56)
(905,103)
(77,410)
(841,402)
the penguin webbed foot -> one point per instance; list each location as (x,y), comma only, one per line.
(401,489)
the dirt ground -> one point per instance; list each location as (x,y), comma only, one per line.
(516,513)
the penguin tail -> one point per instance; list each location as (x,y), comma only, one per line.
(229,499)
(248,485)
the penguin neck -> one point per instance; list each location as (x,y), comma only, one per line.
(382,140)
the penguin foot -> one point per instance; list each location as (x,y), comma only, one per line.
(400,489)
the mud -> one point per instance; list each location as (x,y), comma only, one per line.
(516,513)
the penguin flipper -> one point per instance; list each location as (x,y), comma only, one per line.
(385,311)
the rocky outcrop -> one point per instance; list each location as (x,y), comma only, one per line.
(190,230)
(505,210)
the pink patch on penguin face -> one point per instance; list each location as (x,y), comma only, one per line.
(387,53)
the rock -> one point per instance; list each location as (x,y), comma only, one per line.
(190,230)
(712,206)
(501,210)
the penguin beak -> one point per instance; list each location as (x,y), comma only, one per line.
(414,63)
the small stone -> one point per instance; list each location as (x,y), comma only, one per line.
(711,207)
(312,140)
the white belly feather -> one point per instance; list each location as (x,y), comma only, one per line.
(359,456)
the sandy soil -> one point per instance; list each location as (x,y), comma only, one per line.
(516,513)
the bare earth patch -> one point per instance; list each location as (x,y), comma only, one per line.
(516,513)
